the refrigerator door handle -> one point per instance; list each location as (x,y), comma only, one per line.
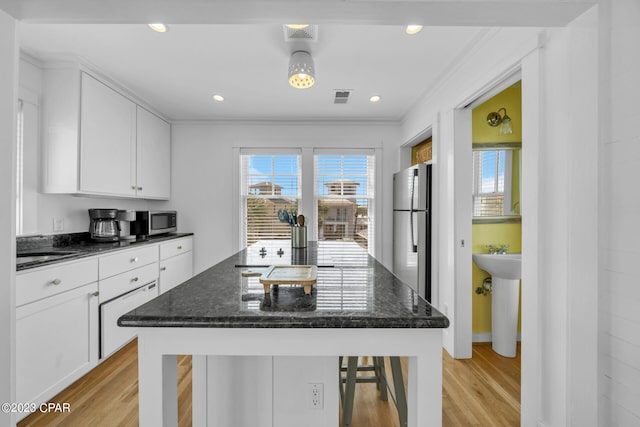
(414,247)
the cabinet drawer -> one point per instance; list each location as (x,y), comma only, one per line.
(35,285)
(122,283)
(110,265)
(175,247)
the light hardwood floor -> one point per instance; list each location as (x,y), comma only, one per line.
(482,391)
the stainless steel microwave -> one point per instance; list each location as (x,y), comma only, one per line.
(149,223)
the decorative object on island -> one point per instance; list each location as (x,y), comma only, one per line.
(298,229)
(494,119)
(298,237)
(305,275)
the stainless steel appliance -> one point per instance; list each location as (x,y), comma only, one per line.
(125,217)
(412,227)
(149,223)
(103,225)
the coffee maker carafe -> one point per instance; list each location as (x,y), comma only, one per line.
(104,225)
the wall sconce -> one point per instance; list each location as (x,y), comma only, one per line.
(494,119)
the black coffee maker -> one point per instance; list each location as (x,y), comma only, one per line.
(104,225)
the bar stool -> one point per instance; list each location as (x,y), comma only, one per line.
(379,377)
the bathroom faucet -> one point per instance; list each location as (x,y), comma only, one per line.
(502,249)
(498,249)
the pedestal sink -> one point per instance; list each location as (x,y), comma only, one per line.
(505,270)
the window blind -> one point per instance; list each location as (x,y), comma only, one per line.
(344,194)
(20,168)
(269,183)
(490,177)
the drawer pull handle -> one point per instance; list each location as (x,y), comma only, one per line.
(135,279)
(139,188)
(95,294)
(56,281)
(134,259)
(180,247)
(163,269)
(133,187)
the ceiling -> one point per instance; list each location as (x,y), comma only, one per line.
(238,49)
(177,72)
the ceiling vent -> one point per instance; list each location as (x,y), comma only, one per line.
(309,33)
(342,96)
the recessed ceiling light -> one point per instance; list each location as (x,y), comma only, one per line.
(413,29)
(218,97)
(297,26)
(160,28)
(375,98)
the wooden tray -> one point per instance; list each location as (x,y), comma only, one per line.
(305,275)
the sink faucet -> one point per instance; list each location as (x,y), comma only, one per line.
(498,249)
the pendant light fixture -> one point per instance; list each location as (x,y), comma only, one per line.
(302,74)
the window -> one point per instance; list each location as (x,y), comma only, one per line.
(344,194)
(269,183)
(27,163)
(19,168)
(341,211)
(492,182)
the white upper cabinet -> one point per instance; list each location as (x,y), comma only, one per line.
(108,140)
(97,141)
(153,177)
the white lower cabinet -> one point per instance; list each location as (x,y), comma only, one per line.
(67,313)
(176,263)
(174,271)
(56,343)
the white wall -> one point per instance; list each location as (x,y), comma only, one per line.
(204,169)
(72,209)
(619,294)
(559,371)
(8,97)
(476,72)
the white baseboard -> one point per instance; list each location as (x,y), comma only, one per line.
(485,337)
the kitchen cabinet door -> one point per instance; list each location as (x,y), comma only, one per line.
(153,173)
(175,270)
(56,343)
(108,140)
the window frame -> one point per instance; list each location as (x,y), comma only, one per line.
(243,198)
(507,178)
(306,201)
(373,186)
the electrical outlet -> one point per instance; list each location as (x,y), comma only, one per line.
(315,395)
(58,224)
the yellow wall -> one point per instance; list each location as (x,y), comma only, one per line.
(492,234)
(510,99)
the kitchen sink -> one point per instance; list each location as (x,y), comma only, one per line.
(26,257)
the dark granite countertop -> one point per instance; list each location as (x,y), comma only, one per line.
(353,291)
(76,246)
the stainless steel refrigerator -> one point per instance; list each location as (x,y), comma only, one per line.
(412,227)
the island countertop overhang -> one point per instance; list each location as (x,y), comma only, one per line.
(353,291)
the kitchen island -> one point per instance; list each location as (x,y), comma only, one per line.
(256,354)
